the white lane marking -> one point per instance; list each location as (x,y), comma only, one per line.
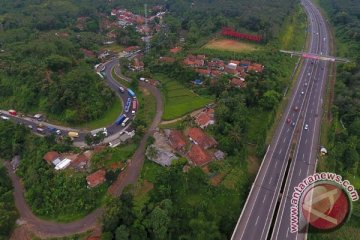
(264,198)
(287,130)
(284,140)
(303,156)
(257,219)
(299,172)
(280,151)
(305,141)
(287,233)
(276,163)
(312,110)
(270,180)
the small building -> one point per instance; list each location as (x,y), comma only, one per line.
(177,140)
(96,178)
(137,64)
(15,162)
(63,164)
(198,156)
(175,50)
(80,161)
(238,82)
(255,67)
(52,157)
(205,118)
(197,136)
(161,156)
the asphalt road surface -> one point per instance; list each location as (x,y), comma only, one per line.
(113,130)
(258,212)
(304,160)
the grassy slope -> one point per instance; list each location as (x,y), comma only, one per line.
(178,99)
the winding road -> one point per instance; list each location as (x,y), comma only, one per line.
(44,228)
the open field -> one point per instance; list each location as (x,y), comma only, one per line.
(179,100)
(231,45)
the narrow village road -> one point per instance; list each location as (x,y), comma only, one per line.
(44,229)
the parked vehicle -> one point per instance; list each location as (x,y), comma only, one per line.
(125,122)
(5,117)
(127,105)
(99,130)
(131,93)
(58,132)
(121,89)
(52,129)
(40,130)
(120,119)
(12,112)
(73,134)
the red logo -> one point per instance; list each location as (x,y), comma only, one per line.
(326,206)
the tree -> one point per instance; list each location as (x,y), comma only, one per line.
(270,99)
(122,233)
(159,222)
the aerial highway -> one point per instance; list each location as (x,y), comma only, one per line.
(113,130)
(304,160)
(302,113)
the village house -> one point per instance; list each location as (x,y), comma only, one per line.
(130,49)
(198,156)
(258,68)
(175,50)
(195,61)
(205,118)
(137,64)
(96,178)
(177,140)
(238,82)
(205,72)
(80,162)
(52,157)
(197,136)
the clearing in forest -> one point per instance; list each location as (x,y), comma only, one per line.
(231,45)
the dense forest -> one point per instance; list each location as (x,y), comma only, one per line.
(8,213)
(42,67)
(344,134)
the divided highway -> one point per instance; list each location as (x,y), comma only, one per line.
(304,160)
(302,113)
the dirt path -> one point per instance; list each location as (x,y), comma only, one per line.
(192,114)
(44,229)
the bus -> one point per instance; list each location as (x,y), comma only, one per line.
(120,119)
(131,93)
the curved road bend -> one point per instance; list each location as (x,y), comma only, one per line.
(45,228)
(258,212)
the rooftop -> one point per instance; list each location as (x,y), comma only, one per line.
(199,137)
(96,178)
(51,156)
(177,140)
(198,155)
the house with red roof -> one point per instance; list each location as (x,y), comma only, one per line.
(198,156)
(96,178)
(197,136)
(52,157)
(177,140)
(175,50)
(205,118)
(258,68)
(205,72)
(137,64)
(80,161)
(238,82)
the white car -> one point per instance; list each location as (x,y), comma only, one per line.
(305,83)
(302,93)
(306,127)
(5,117)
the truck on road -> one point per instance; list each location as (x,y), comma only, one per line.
(131,93)
(73,134)
(120,119)
(125,122)
(99,130)
(12,112)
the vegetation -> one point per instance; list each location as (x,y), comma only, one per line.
(343,136)
(63,195)
(8,213)
(178,99)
